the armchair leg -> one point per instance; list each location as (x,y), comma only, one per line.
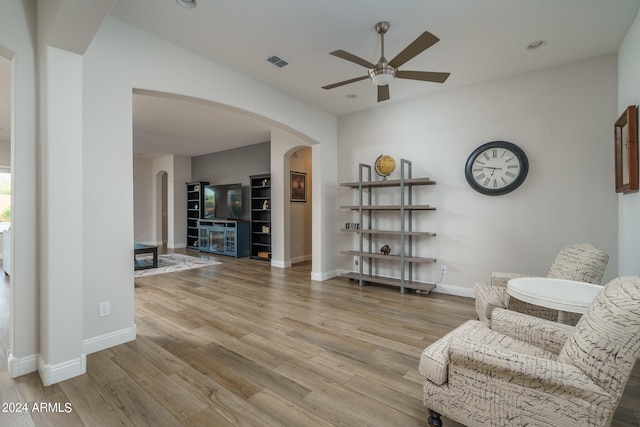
(434,419)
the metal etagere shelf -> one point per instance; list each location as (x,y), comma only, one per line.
(366,210)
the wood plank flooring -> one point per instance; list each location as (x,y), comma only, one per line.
(244,344)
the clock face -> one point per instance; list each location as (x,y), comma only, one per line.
(496,168)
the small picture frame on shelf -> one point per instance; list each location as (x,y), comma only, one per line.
(626,151)
(298,187)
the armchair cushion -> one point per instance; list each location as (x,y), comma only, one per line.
(548,335)
(606,341)
(491,295)
(501,279)
(582,262)
(488,297)
(522,370)
(434,362)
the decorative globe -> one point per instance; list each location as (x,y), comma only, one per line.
(385,165)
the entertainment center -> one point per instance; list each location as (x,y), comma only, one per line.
(216,223)
(225,237)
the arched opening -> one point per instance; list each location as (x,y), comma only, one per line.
(300,205)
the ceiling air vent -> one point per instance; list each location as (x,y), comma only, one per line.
(277,61)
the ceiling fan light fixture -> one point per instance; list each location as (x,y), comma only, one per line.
(383,75)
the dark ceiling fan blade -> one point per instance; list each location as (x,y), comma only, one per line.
(383,93)
(427,76)
(346,82)
(352,58)
(419,45)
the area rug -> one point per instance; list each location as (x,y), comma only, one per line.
(169,263)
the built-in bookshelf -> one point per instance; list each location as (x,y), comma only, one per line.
(261,217)
(195,211)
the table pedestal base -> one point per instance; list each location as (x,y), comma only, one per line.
(563,317)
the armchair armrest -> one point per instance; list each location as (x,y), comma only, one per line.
(501,279)
(545,334)
(520,371)
(487,298)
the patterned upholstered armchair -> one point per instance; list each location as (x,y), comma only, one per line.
(526,371)
(582,262)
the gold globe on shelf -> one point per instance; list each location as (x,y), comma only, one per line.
(385,164)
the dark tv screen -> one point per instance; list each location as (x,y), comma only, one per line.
(223,201)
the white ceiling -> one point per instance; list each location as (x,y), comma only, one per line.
(480,40)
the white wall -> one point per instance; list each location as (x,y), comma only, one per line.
(233,167)
(629,204)
(144,209)
(61,252)
(561,117)
(113,68)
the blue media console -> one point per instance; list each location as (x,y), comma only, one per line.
(224,236)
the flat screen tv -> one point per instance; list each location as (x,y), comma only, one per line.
(223,201)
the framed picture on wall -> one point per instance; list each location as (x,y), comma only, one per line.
(298,187)
(626,149)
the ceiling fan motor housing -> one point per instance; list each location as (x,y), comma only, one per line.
(382,27)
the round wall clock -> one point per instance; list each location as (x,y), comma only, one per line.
(384,165)
(496,168)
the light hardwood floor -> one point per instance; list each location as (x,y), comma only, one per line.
(242,343)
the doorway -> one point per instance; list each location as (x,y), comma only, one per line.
(5,207)
(300,206)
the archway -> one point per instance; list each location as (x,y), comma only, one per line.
(300,205)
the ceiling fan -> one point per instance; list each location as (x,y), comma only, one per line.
(382,73)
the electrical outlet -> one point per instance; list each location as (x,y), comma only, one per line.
(443,268)
(104,309)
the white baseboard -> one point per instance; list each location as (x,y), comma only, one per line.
(53,374)
(111,339)
(441,288)
(322,276)
(302,258)
(176,245)
(280,264)
(460,291)
(21,366)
